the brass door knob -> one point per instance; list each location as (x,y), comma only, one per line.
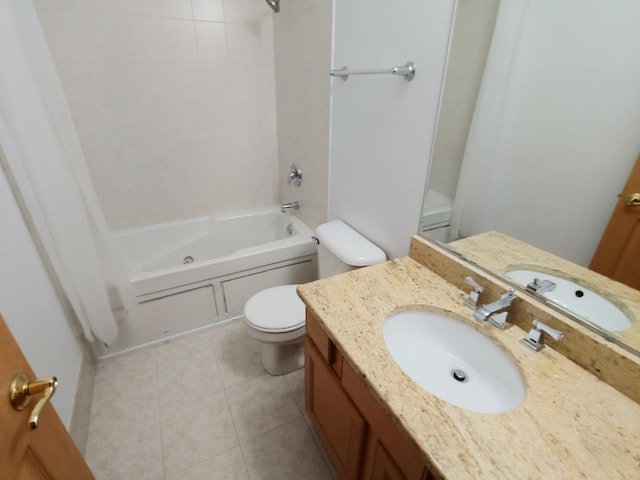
(21,390)
(632,200)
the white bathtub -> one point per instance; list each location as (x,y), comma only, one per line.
(232,257)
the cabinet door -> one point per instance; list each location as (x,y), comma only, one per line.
(384,468)
(338,423)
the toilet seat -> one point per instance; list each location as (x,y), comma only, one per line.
(275,310)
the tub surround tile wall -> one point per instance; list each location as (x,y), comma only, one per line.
(605,360)
(173,100)
(302,44)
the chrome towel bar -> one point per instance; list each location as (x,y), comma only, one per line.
(408,71)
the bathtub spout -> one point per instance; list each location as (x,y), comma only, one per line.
(287,207)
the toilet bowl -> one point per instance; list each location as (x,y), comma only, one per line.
(276,318)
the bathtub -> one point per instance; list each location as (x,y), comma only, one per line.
(194,274)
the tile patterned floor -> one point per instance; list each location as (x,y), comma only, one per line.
(201,408)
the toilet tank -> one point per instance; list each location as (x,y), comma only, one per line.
(342,249)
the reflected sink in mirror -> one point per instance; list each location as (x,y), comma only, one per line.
(577,299)
(453,361)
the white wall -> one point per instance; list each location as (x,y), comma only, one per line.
(382,126)
(302,45)
(174,102)
(31,308)
(555,132)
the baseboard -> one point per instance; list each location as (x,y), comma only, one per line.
(81,415)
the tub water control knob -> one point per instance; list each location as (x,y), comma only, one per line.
(295,175)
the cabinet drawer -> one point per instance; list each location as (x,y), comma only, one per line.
(323,343)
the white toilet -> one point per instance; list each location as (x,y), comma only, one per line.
(276,316)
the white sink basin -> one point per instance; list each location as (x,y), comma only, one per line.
(577,299)
(453,361)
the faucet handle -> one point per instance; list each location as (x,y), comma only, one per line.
(552,332)
(533,340)
(295,175)
(474,296)
(540,286)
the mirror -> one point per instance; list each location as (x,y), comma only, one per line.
(537,134)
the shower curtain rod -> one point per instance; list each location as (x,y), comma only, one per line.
(408,71)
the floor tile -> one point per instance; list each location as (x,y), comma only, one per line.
(227,465)
(179,411)
(229,332)
(260,404)
(295,383)
(187,377)
(286,452)
(238,355)
(142,362)
(125,448)
(124,397)
(196,431)
(191,345)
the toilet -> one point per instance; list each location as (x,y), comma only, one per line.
(276,316)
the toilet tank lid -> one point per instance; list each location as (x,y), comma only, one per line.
(348,245)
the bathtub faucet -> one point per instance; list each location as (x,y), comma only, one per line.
(287,207)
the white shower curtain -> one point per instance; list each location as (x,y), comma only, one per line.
(486,129)
(41,152)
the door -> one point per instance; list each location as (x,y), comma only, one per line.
(618,254)
(46,452)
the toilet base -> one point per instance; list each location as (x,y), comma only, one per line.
(280,359)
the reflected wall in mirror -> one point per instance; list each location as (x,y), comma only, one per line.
(539,124)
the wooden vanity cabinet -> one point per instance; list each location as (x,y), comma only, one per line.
(360,438)
(338,422)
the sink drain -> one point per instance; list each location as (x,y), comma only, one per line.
(459,376)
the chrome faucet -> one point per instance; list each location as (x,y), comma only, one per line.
(539,287)
(533,340)
(287,207)
(497,312)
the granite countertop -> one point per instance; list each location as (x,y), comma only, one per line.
(570,425)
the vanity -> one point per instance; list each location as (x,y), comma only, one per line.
(375,422)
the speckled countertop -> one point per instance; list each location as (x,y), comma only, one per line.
(570,425)
(500,253)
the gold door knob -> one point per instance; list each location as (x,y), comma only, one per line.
(632,200)
(21,390)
